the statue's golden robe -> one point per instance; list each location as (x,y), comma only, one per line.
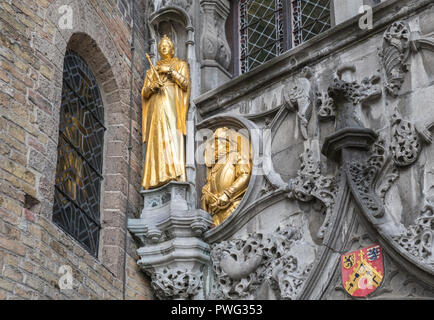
(164,124)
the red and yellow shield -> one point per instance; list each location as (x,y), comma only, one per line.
(362,271)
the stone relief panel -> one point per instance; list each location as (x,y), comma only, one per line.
(261,266)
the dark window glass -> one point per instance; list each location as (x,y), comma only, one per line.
(80,149)
(309,18)
(267,28)
(261,32)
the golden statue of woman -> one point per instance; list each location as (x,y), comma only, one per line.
(165,100)
(228,162)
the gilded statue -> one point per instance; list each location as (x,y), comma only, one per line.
(165,100)
(228,162)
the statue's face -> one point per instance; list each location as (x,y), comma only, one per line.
(165,49)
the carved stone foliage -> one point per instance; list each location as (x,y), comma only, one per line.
(418,240)
(325,106)
(176,283)
(405,144)
(362,177)
(396,50)
(310,184)
(243,266)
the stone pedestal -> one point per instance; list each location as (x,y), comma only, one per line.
(173,253)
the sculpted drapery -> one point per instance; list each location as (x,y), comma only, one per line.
(165,100)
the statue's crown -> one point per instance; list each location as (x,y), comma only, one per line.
(166,38)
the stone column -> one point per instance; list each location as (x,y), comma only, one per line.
(216,53)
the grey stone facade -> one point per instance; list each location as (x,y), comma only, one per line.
(341,132)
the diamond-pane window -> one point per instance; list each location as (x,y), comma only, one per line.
(79,165)
(269,27)
(261,32)
(309,18)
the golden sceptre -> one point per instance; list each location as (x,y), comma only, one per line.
(154,70)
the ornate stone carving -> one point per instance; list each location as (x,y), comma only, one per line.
(389,173)
(405,144)
(172,250)
(175,283)
(418,240)
(310,184)
(345,94)
(396,50)
(325,105)
(242,266)
(362,176)
(214,45)
(298,96)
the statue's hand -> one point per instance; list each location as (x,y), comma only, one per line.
(155,86)
(223,200)
(163,69)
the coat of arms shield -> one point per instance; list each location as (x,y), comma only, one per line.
(362,271)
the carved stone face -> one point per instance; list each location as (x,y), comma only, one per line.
(166,49)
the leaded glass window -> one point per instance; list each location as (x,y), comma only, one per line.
(80,149)
(267,28)
(309,18)
(261,31)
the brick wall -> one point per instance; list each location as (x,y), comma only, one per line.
(32,48)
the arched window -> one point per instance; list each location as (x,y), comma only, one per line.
(80,150)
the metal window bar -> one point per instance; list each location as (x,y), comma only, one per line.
(248,28)
(65,138)
(88,216)
(82,103)
(289,31)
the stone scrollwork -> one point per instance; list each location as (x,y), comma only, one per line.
(175,283)
(396,50)
(310,184)
(418,240)
(405,144)
(325,105)
(243,266)
(363,175)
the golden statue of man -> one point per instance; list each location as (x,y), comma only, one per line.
(165,100)
(228,162)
